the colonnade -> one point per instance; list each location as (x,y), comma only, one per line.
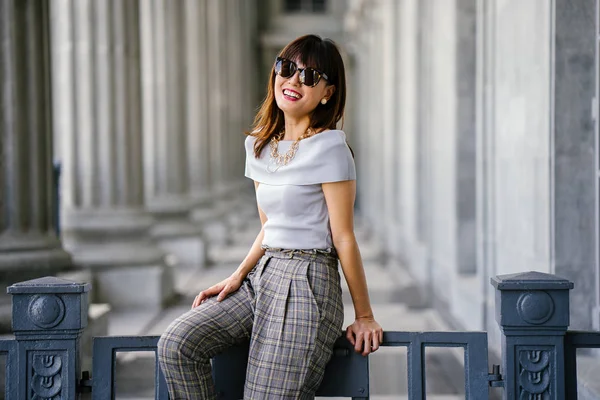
(476,150)
(143,103)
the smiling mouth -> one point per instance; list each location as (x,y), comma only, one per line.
(292,94)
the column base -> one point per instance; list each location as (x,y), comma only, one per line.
(23,265)
(116,247)
(176,232)
(30,256)
(98,319)
(187,250)
(153,286)
(213,224)
(229,212)
(243,210)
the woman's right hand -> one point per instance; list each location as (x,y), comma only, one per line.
(221,290)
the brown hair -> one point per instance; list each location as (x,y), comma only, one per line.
(315,52)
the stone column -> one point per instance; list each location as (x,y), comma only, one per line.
(216,91)
(376,102)
(164,126)
(236,77)
(215,228)
(389,143)
(466,195)
(236,80)
(198,100)
(197,78)
(28,243)
(252,90)
(97,65)
(576,155)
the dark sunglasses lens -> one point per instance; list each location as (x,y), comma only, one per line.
(285,68)
(311,77)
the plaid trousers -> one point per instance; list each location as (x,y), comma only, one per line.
(289,305)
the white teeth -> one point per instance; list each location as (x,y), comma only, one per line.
(291,94)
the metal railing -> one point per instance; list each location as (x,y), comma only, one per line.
(532,309)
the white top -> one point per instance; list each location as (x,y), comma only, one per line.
(292,197)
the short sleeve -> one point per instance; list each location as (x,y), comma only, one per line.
(249,145)
(334,164)
(322,158)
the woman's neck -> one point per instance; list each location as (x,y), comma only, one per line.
(295,128)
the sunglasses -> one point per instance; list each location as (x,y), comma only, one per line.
(308,76)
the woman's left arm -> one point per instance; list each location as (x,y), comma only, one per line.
(365,333)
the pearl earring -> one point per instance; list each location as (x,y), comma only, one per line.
(323,101)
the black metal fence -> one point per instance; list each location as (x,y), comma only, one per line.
(532,309)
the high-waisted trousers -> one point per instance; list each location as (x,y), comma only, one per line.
(289,306)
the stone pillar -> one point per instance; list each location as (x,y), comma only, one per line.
(252,91)
(164,126)
(97,65)
(236,81)
(198,100)
(576,156)
(29,246)
(197,79)
(216,229)
(466,196)
(423,194)
(216,91)
(389,151)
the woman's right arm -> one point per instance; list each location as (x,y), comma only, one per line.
(233,283)
(255,253)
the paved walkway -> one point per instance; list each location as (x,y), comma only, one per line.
(386,285)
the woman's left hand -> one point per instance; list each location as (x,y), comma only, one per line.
(365,334)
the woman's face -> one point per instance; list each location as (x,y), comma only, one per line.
(298,100)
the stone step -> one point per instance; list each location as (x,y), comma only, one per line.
(98,321)
(77,275)
(129,322)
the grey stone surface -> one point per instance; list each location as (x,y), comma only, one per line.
(165,127)
(98,317)
(575,239)
(588,370)
(197,99)
(466,206)
(148,286)
(27,205)
(190,250)
(97,116)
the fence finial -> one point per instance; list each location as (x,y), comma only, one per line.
(48,317)
(532,309)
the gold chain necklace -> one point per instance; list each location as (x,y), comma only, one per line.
(279,160)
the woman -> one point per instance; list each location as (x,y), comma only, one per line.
(286,296)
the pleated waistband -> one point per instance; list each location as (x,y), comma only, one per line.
(327,256)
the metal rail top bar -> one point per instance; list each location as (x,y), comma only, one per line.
(393,338)
(584,339)
(133,342)
(439,339)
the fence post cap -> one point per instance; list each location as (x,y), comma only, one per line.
(48,306)
(532,280)
(48,284)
